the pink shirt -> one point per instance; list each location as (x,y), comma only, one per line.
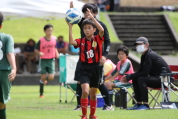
(48,47)
(123,71)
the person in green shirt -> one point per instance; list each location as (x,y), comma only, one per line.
(7,68)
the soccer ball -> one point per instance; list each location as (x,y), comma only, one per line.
(73,16)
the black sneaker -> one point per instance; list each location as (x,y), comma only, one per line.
(77,108)
(134,107)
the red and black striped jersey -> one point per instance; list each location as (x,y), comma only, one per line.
(90,50)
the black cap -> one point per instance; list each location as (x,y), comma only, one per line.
(141,40)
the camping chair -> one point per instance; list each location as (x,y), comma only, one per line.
(174,68)
(67,69)
(154,97)
(166,88)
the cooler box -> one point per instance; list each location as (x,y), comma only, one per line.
(100,100)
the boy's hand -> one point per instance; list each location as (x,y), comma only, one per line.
(69,24)
(102,60)
(12,75)
(57,55)
(71,4)
(41,54)
(89,14)
(123,79)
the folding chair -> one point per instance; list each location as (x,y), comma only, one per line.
(174,68)
(154,97)
(67,69)
(166,88)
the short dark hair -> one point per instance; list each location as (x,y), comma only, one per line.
(47,26)
(31,40)
(123,49)
(60,37)
(92,7)
(1,18)
(88,21)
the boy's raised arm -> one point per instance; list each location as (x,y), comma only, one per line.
(99,27)
(71,4)
(71,38)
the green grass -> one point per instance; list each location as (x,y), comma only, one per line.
(25,104)
(25,28)
(174,19)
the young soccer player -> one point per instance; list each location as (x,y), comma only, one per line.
(94,11)
(90,54)
(46,49)
(124,66)
(7,68)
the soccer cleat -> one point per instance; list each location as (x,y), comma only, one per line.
(84,117)
(41,96)
(142,107)
(134,107)
(77,108)
(106,107)
(93,117)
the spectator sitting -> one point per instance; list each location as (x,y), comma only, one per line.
(61,45)
(124,66)
(148,74)
(29,55)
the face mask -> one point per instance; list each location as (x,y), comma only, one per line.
(140,48)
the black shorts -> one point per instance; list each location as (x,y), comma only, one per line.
(76,78)
(90,73)
(76,75)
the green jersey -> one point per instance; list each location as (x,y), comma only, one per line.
(6,46)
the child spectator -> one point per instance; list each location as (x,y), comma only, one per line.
(124,66)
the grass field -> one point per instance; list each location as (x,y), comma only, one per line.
(25,104)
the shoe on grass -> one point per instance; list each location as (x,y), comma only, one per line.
(134,107)
(83,117)
(77,108)
(41,96)
(142,107)
(93,117)
(106,107)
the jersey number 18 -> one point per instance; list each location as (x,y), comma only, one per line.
(90,54)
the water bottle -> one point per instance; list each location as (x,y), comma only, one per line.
(123,98)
